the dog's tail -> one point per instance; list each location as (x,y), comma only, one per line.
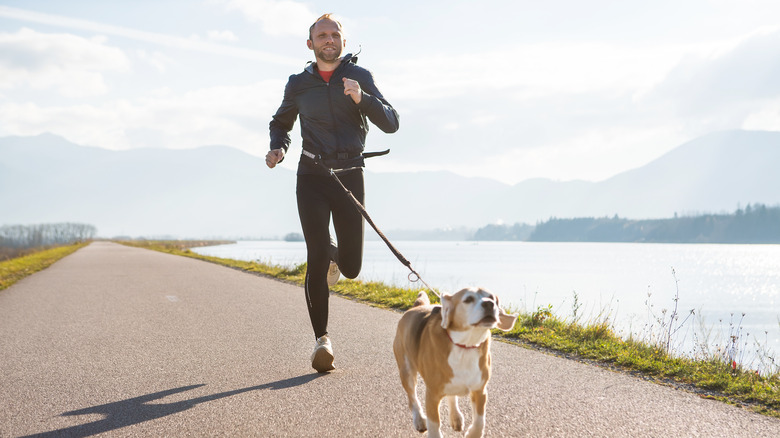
(422,299)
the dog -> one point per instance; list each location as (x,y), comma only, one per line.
(449,346)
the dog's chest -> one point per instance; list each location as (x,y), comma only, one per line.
(467,375)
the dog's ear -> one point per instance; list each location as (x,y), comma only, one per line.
(447,307)
(505,321)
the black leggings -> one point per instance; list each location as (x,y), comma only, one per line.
(319,197)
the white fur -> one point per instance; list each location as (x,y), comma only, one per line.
(467,376)
(477,427)
(470,338)
(433,430)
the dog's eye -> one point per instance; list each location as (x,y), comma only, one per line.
(469,300)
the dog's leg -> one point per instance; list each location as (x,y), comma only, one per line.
(456,417)
(409,382)
(478,402)
(432,402)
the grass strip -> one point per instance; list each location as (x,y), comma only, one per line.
(710,377)
(595,341)
(15,269)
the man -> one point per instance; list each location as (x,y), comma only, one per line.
(333,97)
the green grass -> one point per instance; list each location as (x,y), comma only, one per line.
(15,269)
(710,377)
(593,341)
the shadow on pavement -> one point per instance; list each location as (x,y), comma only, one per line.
(138,410)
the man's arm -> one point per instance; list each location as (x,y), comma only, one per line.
(281,125)
(374,106)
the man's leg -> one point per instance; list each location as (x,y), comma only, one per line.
(314,212)
(348,223)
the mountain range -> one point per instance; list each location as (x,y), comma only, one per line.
(219,191)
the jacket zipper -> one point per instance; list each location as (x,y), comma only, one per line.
(332,113)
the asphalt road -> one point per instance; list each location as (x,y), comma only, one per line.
(123,341)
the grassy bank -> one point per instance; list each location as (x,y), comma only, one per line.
(711,377)
(15,269)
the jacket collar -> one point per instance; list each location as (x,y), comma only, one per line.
(346,59)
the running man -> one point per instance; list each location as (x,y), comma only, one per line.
(334,98)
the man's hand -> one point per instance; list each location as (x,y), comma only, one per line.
(273,157)
(352,89)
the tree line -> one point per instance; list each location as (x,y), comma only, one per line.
(20,237)
(504,232)
(755,223)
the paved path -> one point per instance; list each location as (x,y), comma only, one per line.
(129,342)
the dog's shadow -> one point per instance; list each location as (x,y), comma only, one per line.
(140,409)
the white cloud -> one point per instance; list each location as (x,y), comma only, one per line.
(277,17)
(236,116)
(529,71)
(70,64)
(725,86)
(171,41)
(765,118)
(580,110)
(222,35)
(156,59)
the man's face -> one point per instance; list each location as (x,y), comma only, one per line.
(326,41)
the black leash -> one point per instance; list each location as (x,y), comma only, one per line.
(413,275)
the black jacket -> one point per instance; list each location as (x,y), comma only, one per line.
(331,122)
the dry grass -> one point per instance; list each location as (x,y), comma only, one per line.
(15,269)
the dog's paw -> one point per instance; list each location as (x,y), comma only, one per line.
(457,424)
(433,431)
(456,421)
(474,432)
(420,422)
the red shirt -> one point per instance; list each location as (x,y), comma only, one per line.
(326,75)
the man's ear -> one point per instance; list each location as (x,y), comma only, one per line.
(309,45)
(447,305)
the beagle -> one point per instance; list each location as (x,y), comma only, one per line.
(449,346)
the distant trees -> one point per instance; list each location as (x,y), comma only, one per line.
(294,237)
(34,236)
(503,232)
(755,223)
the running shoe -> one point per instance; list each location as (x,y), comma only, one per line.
(322,356)
(334,273)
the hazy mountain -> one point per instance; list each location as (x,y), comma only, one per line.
(209,191)
(217,191)
(711,174)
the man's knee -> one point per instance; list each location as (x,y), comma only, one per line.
(350,270)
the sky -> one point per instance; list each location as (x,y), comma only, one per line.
(508,90)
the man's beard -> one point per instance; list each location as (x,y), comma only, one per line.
(329,56)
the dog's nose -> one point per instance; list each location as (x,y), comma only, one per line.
(487,305)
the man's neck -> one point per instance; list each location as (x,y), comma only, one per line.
(328,66)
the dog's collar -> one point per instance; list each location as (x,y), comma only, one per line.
(461,345)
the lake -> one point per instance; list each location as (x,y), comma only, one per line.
(632,283)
